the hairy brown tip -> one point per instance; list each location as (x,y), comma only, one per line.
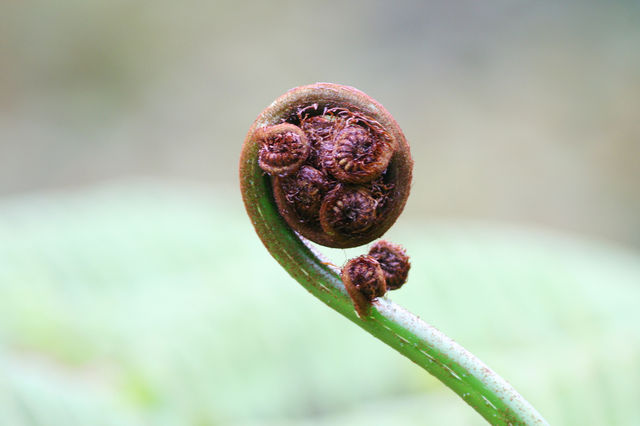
(347,211)
(305,191)
(364,280)
(358,155)
(317,138)
(394,262)
(283,148)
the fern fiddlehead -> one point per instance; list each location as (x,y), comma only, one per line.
(346,190)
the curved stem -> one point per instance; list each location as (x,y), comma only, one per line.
(490,395)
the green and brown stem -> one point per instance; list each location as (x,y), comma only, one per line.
(490,395)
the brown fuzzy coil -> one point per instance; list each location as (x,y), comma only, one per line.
(364,280)
(283,149)
(339,164)
(394,262)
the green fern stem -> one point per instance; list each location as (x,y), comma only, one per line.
(489,394)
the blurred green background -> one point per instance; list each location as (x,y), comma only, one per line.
(133,290)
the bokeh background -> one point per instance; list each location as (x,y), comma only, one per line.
(133,290)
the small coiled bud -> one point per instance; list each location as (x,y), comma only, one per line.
(358,155)
(347,211)
(283,148)
(304,191)
(364,280)
(394,262)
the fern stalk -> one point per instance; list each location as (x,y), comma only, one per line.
(489,394)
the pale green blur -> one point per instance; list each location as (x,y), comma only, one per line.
(147,303)
(128,301)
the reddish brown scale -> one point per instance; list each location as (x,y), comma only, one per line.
(347,211)
(319,130)
(394,262)
(305,192)
(380,191)
(283,148)
(364,280)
